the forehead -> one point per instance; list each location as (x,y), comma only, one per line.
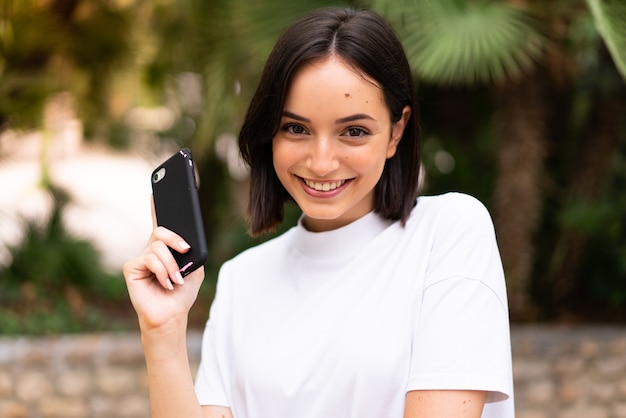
(333,76)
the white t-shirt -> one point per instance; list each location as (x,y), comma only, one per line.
(343,323)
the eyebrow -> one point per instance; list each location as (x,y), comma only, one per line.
(351,118)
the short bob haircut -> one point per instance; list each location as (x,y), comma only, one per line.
(366,42)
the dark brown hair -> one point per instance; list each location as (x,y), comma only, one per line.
(364,41)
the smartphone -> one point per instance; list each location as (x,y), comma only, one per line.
(177,207)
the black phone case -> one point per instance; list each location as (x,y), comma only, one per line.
(177,207)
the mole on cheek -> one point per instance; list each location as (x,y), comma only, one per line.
(347,94)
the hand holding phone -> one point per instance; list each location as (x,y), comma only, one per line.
(177,208)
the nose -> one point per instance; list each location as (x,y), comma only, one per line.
(322,157)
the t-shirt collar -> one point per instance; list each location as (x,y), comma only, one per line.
(342,242)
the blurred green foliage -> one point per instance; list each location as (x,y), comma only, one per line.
(56,282)
(201,60)
(58,46)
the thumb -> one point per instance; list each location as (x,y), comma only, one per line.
(153,211)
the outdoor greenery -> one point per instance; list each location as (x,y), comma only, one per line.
(56,283)
(523,104)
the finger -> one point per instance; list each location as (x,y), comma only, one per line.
(154,264)
(170,238)
(166,258)
(153,211)
(135,270)
(196,277)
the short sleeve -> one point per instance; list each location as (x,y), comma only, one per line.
(212,378)
(462,337)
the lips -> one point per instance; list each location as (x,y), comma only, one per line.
(324,186)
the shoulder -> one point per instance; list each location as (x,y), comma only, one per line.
(462,240)
(457,210)
(461,235)
(452,204)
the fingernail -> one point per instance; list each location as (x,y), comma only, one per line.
(183,245)
(179,278)
(170,286)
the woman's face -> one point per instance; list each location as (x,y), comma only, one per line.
(334,137)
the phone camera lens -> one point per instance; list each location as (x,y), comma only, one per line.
(158,175)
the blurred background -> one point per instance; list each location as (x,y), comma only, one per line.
(523,105)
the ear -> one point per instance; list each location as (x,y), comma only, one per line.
(397,130)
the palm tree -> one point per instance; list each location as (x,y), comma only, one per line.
(511,47)
(601,137)
(609,17)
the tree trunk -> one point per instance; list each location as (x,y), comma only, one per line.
(520,119)
(601,138)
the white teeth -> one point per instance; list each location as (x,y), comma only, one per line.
(324,187)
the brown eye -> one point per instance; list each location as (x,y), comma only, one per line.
(294,129)
(356,131)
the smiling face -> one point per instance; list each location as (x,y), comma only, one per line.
(334,137)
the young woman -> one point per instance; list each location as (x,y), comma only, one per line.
(378,303)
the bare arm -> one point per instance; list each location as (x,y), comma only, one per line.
(216,412)
(170,379)
(444,403)
(162,300)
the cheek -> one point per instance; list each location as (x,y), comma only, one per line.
(276,152)
(369,162)
(281,157)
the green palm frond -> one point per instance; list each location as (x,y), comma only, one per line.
(464,42)
(610,19)
(261,22)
